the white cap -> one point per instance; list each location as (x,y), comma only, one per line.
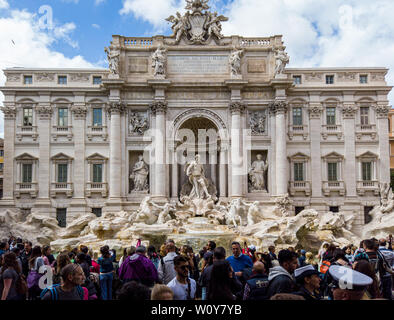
(347,278)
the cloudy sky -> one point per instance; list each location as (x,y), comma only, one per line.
(317,33)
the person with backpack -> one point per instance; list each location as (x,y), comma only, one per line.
(33,278)
(71,288)
(139,268)
(12,285)
(106,272)
(166,269)
(382,269)
(256,287)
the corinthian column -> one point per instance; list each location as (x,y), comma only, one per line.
(382,113)
(159,108)
(237,162)
(79,111)
(115,109)
(280,109)
(349,111)
(9,149)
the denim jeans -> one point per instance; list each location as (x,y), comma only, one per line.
(387,287)
(106,285)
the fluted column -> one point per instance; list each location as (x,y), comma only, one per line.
(174,172)
(223,171)
(237,161)
(45,112)
(280,109)
(348,112)
(115,109)
(315,112)
(382,112)
(79,111)
(160,109)
(9,111)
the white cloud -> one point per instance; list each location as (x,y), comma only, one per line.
(4,4)
(26,45)
(98,2)
(96,26)
(154,11)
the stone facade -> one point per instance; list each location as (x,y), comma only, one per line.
(71,138)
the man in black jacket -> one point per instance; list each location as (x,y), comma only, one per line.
(280,278)
(25,256)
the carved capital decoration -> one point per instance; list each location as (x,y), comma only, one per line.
(382,111)
(349,111)
(278,107)
(79,111)
(158,107)
(44,111)
(116,107)
(9,112)
(315,111)
(237,107)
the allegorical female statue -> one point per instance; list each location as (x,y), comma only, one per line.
(140,174)
(257,174)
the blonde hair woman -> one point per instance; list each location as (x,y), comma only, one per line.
(162,292)
(311,260)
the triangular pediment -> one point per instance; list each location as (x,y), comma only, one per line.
(61,156)
(367,154)
(333,155)
(25,156)
(96,156)
(299,155)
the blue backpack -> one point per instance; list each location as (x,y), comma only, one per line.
(54,293)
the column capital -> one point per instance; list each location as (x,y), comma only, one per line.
(315,110)
(382,111)
(277,107)
(79,110)
(115,107)
(45,111)
(237,107)
(9,111)
(349,110)
(159,106)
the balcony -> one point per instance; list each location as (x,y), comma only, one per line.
(334,186)
(66,188)
(300,186)
(62,131)
(366,130)
(367,186)
(96,187)
(332,130)
(26,131)
(300,130)
(30,188)
(97,131)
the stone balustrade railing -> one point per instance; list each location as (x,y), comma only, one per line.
(138,42)
(255,42)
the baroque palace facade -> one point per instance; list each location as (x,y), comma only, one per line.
(73,137)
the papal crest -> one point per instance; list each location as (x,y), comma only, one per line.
(196,27)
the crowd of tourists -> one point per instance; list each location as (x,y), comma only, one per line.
(178,273)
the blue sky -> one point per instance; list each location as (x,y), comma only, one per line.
(317,33)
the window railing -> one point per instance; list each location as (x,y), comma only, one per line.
(334,186)
(26,188)
(62,188)
(364,186)
(97,131)
(300,186)
(366,127)
(96,187)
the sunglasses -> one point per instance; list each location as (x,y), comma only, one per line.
(184,267)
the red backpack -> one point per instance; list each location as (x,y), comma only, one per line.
(325,265)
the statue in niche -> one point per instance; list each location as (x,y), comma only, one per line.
(257,123)
(158,61)
(138,124)
(195,172)
(235,62)
(281,60)
(113,57)
(257,174)
(140,175)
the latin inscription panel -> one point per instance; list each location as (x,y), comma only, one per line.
(198,64)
